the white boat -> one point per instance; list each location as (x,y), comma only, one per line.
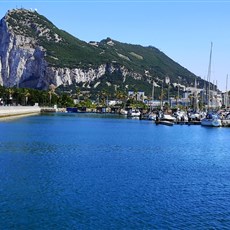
(168,117)
(165,119)
(152,116)
(123,112)
(181,116)
(148,116)
(134,113)
(164,122)
(211,120)
(226,120)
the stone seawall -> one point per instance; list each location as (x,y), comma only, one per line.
(9,111)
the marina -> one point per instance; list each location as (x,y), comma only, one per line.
(220,118)
(217,119)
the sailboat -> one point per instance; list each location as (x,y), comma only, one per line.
(211,119)
(150,115)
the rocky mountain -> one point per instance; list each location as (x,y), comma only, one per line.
(34,53)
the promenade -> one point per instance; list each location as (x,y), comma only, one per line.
(11,111)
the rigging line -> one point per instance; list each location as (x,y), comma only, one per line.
(209,75)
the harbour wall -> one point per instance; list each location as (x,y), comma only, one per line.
(11,111)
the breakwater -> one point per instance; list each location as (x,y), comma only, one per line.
(11,111)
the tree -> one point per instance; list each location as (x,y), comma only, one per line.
(26,94)
(78,93)
(65,101)
(104,97)
(121,95)
(9,93)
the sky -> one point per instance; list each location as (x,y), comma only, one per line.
(182,29)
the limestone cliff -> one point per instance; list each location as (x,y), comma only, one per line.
(34,53)
(22,60)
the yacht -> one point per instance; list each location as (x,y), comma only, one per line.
(123,112)
(134,113)
(226,120)
(165,119)
(211,120)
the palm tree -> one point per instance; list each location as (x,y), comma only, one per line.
(120,95)
(192,99)
(104,97)
(78,93)
(177,100)
(26,95)
(2,94)
(50,96)
(161,97)
(51,92)
(135,94)
(9,92)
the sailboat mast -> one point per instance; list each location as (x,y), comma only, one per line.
(209,75)
(152,96)
(226,102)
(195,96)
(153,92)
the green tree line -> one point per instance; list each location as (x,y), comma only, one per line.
(26,96)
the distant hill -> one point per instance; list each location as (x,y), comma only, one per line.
(35,53)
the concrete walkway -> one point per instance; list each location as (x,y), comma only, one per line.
(9,111)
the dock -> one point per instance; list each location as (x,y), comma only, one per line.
(48,110)
(188,122)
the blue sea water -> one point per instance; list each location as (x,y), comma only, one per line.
(90,171)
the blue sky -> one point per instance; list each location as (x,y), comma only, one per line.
(183,30)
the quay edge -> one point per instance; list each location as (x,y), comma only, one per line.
(13,111)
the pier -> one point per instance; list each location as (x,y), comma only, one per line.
(48,110)
(188,122)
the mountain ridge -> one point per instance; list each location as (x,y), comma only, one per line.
(35,53)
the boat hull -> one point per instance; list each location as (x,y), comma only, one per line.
(134,113)
(168,123)
(211,122)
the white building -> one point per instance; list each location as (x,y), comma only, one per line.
(139,96)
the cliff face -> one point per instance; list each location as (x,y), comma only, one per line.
(67,76)
(21,60)
(22,63)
